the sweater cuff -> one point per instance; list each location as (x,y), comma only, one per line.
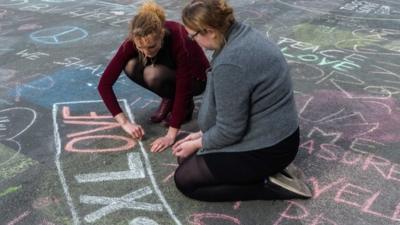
(174,124)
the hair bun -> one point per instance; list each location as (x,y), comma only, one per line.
(152,7)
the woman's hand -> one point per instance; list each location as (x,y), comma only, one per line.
(186,148)
(192,136)
(133,129)
(161,143)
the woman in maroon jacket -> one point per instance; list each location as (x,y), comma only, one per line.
(161,57)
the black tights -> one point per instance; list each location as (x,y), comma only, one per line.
(235,176)
(158,79)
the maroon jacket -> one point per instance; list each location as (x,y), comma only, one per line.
(190,60)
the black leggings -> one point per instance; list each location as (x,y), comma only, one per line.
(158,78)
(235,176)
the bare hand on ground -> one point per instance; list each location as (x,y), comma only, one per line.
(161,143)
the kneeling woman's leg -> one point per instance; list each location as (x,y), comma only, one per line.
(161,80)
(235,176)
(158,78)
(134,70)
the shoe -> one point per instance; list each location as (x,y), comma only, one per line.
(293,172)
(162,111)
(288,181)
(188,116)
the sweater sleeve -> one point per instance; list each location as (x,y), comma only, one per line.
(105,87)
(232,100)
(182,50)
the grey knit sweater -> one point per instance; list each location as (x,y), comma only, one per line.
(248,103)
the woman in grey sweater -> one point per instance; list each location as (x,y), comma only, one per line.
(249,130)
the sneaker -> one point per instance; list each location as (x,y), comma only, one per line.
(291,183)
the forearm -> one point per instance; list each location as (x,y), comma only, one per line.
(172,133)
(133,129)
(121,118)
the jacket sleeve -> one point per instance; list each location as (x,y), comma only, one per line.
(113,70)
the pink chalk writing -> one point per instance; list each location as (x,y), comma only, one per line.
(372,118)
(19,218)
(129,143)
(92,115)
(347,158)
(364,199)
(236,206)
(319,190)
(365,161)
(377,163)
(352,193)
(104,126)
(44,202)
(83,138)
(201,218)
(355,196)
(167,178)
(45,222)
(394,170)
(298,212)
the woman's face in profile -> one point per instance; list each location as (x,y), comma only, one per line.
(149,45)
(205,39)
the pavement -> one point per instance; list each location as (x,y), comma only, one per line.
(64,160)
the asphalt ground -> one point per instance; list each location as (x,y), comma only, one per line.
(63,160)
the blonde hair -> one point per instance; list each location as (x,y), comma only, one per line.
(199,15)
(149,20)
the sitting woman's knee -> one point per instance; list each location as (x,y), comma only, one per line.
(182,182)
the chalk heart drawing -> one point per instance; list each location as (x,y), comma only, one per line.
(13,2)
(13,122)
(367,118)
(59,35)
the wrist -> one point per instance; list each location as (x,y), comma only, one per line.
(172,132)
(199,134)
(198,143)
(121,119)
